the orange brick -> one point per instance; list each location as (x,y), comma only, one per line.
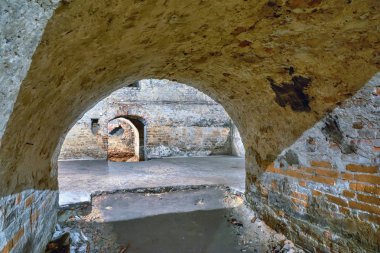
(316,193)
(370,217)
(377,91)
(337,200)
(280,171)
(373,189)
(361,168)
(299,202)
(302,183)
(364,207)
(344,210)
(299,195)
(18,235)
(29,200)
(373,179)
(274,185)
(308,170)
(296,208)
(327,173)
(369,199)
(348,194)
(322,164)
(18,198)
(323,180)
(347,176)
(8,247)
(272,169)
(34,216)
(296,174)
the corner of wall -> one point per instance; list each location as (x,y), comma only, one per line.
(325,188)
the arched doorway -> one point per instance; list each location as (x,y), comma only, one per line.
(125,140)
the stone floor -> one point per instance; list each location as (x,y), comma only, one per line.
(79,178)
(186,205)
(205,219)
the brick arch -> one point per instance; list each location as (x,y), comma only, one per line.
(265,62)
(140,125)
(82,58)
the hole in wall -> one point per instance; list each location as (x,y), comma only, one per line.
(117,131)
(94,126)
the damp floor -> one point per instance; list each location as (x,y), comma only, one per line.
(210,219)
(79,178)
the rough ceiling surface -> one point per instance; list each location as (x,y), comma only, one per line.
(277,67)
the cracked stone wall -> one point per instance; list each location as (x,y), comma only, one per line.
(328,181)
(179,121)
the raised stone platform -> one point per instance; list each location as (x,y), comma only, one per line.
(78,179)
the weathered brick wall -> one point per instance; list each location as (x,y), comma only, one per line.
(27,220)
(180,121)
(324,190)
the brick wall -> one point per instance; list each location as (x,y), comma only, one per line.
(325,188)
(27,220)
(180,121)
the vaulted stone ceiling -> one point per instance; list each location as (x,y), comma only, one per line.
(276,66)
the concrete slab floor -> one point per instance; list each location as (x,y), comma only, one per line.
(79,178)
(204,220)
